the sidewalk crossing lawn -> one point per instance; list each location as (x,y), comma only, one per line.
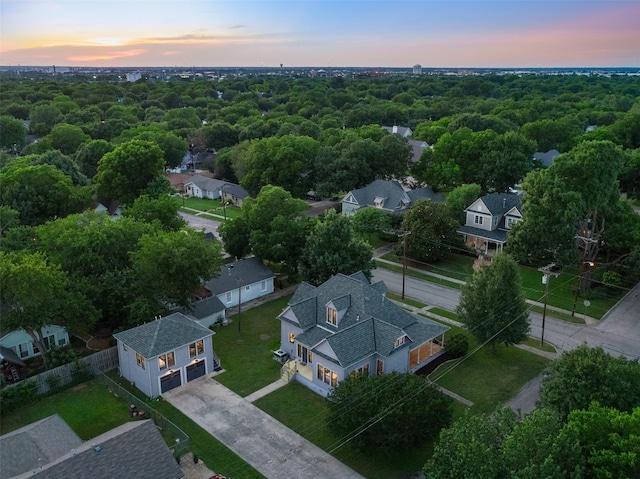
(212,206)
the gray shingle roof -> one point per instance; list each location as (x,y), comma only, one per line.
(499,203)
(135,449)
(494,235)
(393,194)
(240,273)
(164,334)
(8,355)
(235,190)
(205,183)
(370,324)
(546,157)
(35,445)
(207,307)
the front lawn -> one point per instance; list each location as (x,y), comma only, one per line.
(490,379)
(89,409)
(305,412)
(246,356)
(211,206)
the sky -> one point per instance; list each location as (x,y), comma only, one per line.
(329,33)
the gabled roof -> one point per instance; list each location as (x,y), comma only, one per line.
(370,324)
(205,307)
(163,334)
(235,190)
(394,195)
(399,130)
(134,449)
(35,445)
(417,147)
(499,203)
(239,273)
(206,183)
(497,235)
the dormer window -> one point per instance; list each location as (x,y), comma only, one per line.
(400,341)
(478,219)
(332,316)
(511,222)
(378,202)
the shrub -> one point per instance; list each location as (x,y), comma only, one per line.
(458,345)
(15,396)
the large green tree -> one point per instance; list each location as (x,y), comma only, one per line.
(492,304)
(35,292)
(163,210)
(89,154)
(12,133)
(388,412)
(432,227)
(41,193)
(66,138)
(332,247)
(127,171)
(461,197)
(169,266)
(586,374)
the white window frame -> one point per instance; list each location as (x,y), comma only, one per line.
(229,296)
(196,348)
(326,375)
(263,285)
(332,316)
(400,341)
(140,360)
(478,219)
(166,360)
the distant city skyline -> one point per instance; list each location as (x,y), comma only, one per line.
(335,33)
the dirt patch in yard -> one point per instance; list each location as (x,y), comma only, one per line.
(264,337)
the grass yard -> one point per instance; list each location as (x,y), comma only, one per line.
(246,355)
(305,412)
(409,301)
(89,409)
(488,379)
(212,206)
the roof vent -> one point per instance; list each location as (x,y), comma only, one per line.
(97,448)
(504,202)
(357,317)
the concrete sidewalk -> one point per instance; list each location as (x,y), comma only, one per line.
(268,446)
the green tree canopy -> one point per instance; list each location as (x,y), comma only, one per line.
(41,193)
(43,118)
(461,197)
(333,248)
(492,304)
(89,154)
(389,412)
(12,132)
(433,231)
(586,374)
(34,293)
(127,171)
(163,210)
(66,138)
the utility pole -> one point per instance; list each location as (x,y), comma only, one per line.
(546,273)
(239,302)
(404,259)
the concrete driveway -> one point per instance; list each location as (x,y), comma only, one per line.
(271,448)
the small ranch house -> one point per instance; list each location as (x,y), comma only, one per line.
(488,220)
(165,353)
(347,325)
(21,343)
(241,281)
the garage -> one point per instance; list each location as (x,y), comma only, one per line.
(195,370)
(170,381)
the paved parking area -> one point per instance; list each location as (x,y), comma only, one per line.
(271,448)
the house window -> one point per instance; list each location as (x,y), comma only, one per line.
(62,341)
(49,341)
(124,347)
(292,337)
(166,360)
(197,348)
(364,371)
(380,367)
(310,357)
(477,219)
(400,341)
(247,287)
(511,222)
(263,286)
(332,316)
(327,376)
(23,350)
(139,360)
(228,296)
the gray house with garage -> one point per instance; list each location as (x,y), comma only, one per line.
(165,353)
(348,326)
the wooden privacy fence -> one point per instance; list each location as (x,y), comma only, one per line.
(77,371)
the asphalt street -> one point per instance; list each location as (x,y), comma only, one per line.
(200,223)
(617,333)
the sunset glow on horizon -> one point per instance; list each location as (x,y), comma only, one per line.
(453,33)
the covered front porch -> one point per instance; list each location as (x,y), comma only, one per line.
(293,367)
(425,352)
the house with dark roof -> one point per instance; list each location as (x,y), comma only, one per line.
(399,130)
(545,158)
(417,147)
(108,206)
(11,366)
(488,220)
(241,281)
(347,326)
(49,449)
(203,187)
(387,195)
(234,194)
(165,353)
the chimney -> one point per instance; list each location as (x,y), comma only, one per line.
(395,129)
(504,202)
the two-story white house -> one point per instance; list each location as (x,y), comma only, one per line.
(488,220)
